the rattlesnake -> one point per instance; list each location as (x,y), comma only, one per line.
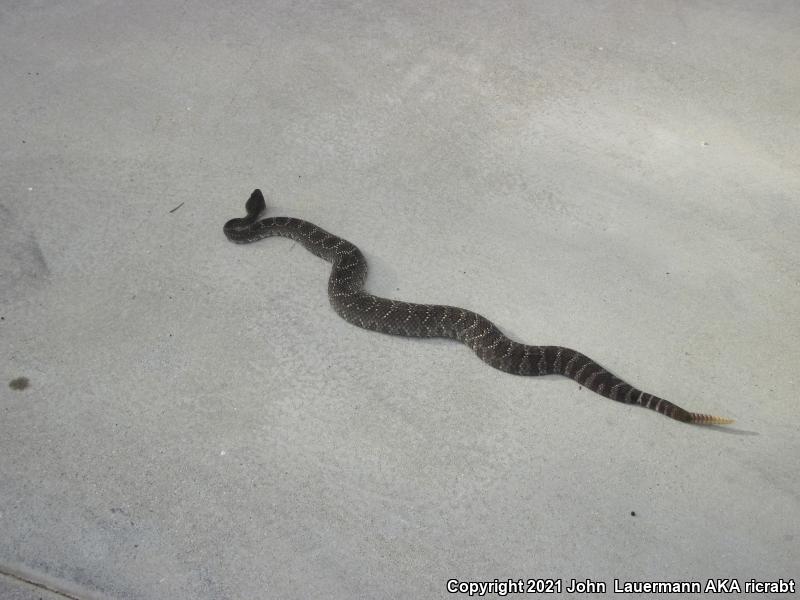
(352,303)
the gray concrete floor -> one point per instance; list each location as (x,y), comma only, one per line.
(616,177)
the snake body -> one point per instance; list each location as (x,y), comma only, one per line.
(348,298)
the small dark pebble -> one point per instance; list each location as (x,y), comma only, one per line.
(20,383)
(633,513)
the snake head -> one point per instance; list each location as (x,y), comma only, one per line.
(255,204)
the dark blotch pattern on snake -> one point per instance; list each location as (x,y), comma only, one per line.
(348,298)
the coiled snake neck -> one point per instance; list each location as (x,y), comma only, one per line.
(352,303)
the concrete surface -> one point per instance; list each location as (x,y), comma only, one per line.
(617,177)
(16,587)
